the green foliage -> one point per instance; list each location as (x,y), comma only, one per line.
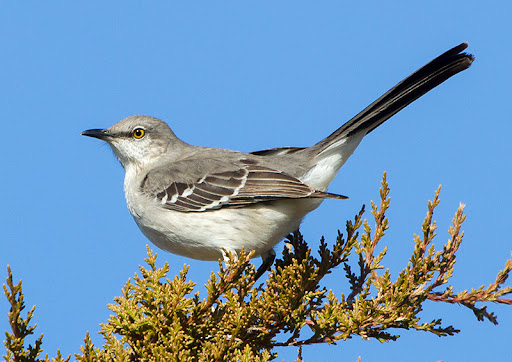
(21,328)
(158,318)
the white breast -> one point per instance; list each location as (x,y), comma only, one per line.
(203,235)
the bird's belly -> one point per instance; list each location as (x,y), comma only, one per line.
(203,235)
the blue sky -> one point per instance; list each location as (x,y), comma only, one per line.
(249,77)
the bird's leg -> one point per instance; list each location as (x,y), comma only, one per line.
(225,256)
(268,259)
(290,245)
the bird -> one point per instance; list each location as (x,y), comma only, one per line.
(204,203)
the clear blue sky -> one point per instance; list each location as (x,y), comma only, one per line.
(249,77)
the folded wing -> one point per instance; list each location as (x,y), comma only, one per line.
(249,184)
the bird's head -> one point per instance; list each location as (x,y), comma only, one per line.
(137,140)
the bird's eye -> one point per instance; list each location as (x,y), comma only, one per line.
(138,133)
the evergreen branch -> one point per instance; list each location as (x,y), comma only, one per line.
(365,251)
(21,328)
(157,318)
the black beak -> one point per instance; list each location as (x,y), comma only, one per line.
(102,134)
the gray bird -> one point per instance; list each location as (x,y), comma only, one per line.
(198,201)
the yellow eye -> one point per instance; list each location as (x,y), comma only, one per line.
(138,133)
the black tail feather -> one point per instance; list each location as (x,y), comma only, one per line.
(404,93)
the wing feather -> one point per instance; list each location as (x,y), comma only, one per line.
(247,185)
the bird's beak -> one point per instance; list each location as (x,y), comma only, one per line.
(102,134)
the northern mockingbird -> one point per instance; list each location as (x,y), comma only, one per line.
(197,201)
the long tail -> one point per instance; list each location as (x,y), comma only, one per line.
(401,95)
